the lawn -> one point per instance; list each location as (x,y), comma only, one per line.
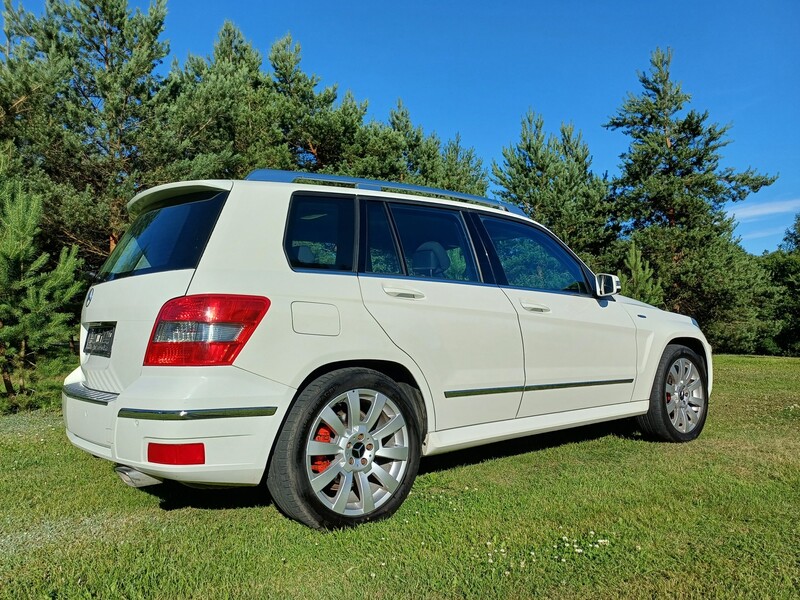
(595,512)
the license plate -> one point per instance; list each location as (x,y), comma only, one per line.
(99,339)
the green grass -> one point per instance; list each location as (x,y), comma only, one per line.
(719,517)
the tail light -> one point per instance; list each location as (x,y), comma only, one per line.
(203,330)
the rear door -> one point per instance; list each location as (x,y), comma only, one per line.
(424,287)
(580,351)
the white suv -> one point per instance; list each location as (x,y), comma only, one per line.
(320,334)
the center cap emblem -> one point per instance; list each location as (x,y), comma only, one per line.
(358,450)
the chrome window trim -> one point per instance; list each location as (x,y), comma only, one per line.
(406,278)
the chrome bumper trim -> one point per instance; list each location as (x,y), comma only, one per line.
(78,391)
(194,415)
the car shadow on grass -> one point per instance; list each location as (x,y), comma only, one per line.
(531,443)
(175,496)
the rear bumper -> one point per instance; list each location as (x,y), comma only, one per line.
(235,414)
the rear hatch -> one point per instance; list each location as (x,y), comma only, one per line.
(153,262)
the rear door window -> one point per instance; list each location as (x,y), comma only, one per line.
(167,238)
(381,255)
(434,243)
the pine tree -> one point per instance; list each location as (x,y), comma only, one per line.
(93,123)
(34,311)
(671,175)
(215,117)
(462,170)
(669,198)
(550,178)
(638,281)
(791,240)
(80,142)
(400,151)
(783,266)
(420,155)
(315,130)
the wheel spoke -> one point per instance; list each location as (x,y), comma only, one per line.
(671,404)
(676,371)
(670,389)
(688,367)
(316,448)
(397,422)
(353,409)
(321,481)
(375,411)
(691,371)
(387,481)
(365,492)
(393,453)
(343,495)
(693,385)
(696,405)
(682,419)
(333,421)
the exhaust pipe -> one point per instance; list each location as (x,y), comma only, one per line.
(135,478)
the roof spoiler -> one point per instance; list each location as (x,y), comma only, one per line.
(143,200)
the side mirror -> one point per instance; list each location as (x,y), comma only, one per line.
(606,285)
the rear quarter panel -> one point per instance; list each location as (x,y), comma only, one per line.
(245,255)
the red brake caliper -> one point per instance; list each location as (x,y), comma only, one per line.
(320,463)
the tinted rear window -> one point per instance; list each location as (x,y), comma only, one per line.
(169,238)
(320,233)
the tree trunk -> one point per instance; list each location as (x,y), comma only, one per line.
(23,363)
(9,385)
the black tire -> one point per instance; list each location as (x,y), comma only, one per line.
(371,475)
(679,397)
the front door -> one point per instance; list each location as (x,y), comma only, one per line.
(580,351)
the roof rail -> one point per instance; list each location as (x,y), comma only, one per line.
(376,185)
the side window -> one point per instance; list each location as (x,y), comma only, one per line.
(381,251)
(320,233)
(532,259)
(434,243)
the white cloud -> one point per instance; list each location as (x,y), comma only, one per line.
(755,212)
(763,233)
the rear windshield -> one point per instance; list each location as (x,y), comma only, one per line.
(168,238)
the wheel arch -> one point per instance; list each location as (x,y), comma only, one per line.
(394,370)
(704,352)
(693,344)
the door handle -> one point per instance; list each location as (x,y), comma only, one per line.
(537,308)
(407,293)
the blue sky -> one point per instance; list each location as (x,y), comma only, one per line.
(475,67)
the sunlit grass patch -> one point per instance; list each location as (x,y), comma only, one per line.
(595,512)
